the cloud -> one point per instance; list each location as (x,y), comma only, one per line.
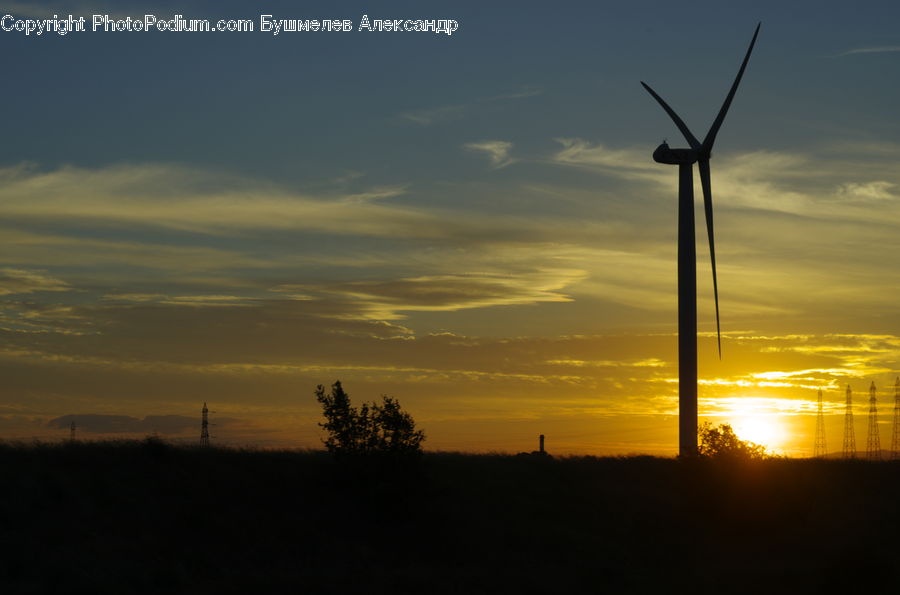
(497,151)
(627,374)
(61,249)
(383,300)
(879,190)
(135,297)
(178,198)
(872,50)
(193,300)
(619,162)
(814,186)
(118,227)
(19,281)
(799,235)
(195,207)
(202,237)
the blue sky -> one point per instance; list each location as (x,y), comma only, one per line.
(195,203)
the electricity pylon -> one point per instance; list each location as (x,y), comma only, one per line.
(849,431)
(820,450)
(873,440)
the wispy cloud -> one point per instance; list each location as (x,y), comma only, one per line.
(873,50)
(19,281)
(877,190)
(497,151)
(67,249)
(385,300)
(617,162)
(193,200)
(260,346)
(188,300)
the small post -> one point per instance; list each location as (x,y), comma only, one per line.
(72,431)
(542,444)
(204,426)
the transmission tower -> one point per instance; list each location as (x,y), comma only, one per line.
(204,427)
(895,437)
(849,431)
(873,440)
(820,450)
(72,431)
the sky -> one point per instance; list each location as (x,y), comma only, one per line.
(470,223)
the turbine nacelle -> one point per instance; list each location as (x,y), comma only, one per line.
(665,154)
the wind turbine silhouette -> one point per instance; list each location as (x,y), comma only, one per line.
(699,153)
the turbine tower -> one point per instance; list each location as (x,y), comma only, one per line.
(873,440)
(895,437)
(849,431)
(700,154)
(820,450)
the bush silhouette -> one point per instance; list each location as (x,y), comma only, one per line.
(721,442)
(373,428)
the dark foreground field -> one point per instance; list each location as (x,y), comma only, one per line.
(149,518)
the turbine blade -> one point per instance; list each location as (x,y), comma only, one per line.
(703,164)
(690,138)
(714,129)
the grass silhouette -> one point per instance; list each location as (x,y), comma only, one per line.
(147,517)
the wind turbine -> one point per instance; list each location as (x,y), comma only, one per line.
(700,154)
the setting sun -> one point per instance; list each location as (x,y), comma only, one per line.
(762,429)
(761,420)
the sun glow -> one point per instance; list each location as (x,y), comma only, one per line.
(759,429)
(762,420)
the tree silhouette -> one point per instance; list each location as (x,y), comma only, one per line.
(721,442)
(373,428)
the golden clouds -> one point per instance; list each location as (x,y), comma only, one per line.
(19,281)
(384,300)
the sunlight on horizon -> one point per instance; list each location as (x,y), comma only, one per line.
(762,420)
(766,430)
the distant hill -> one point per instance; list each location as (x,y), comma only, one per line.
(885,455)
